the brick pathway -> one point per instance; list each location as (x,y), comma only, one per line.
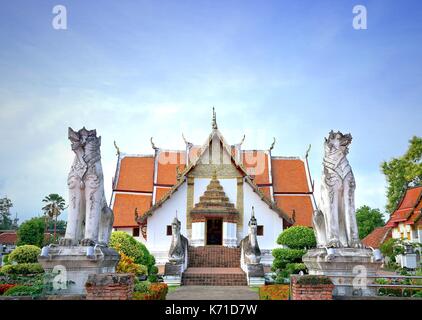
(213,293)
(214,277)
(214,270)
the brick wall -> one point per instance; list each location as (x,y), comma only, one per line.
(311,291)
(109,286)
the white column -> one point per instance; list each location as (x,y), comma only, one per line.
(229,234)
(198,234)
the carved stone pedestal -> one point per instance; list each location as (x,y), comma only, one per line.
(173,274)
(72,266)
(348,269)
(255,274)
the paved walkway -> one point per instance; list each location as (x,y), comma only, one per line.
(213,293)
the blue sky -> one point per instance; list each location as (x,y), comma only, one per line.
(135,69)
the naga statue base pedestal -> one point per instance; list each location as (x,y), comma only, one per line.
(255,274)
(71,266)
(173,274)
(348,269)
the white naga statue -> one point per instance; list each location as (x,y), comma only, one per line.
(335,223)
(249,245)
(178,245)
(90,220)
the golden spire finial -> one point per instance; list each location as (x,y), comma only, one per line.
(214,119)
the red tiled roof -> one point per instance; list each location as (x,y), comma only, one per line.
(8,238)
(409,208)
(136,174)
(377,237)
(124,208)
(160,192)
(256,165)
(168,161)
(410,198)
(289,175)
(302,206)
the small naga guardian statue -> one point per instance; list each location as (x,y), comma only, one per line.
(335,223)
(179,244)
(249,245)
(90,220)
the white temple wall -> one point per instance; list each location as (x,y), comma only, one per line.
(157,238)
(273,224)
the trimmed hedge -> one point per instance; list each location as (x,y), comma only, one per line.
(22,269)
(284,256)
(25,254)
(298,237)
(123,242)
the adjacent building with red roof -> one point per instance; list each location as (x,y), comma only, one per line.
(406,220)
(405,223)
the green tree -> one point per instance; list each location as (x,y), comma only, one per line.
(55,204)
(297,237)
(32,232)
(368,219)
(60,226)
(289,260)
(403,172)
(6,222)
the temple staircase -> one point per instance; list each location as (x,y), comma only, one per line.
(214,266)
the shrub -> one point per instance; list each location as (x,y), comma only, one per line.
(282,257)
(418,294)
(313,280)
(295,268)
(127,265)
(25,254)
(156,291)
(20,290)
(5,287)
(23,268)
(141,286)
(123,242)
(274,292)
(6,260)
(298,237)
(32,232)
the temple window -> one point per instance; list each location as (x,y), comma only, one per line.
(169,230)
(260,230)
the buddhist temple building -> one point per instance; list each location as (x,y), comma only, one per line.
(211,188)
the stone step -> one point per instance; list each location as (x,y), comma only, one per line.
(214,277)
(213,257)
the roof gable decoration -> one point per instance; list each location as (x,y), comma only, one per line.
(227,148)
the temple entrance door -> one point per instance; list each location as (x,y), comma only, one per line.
(214,232)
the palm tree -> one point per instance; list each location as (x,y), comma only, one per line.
(55,204)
